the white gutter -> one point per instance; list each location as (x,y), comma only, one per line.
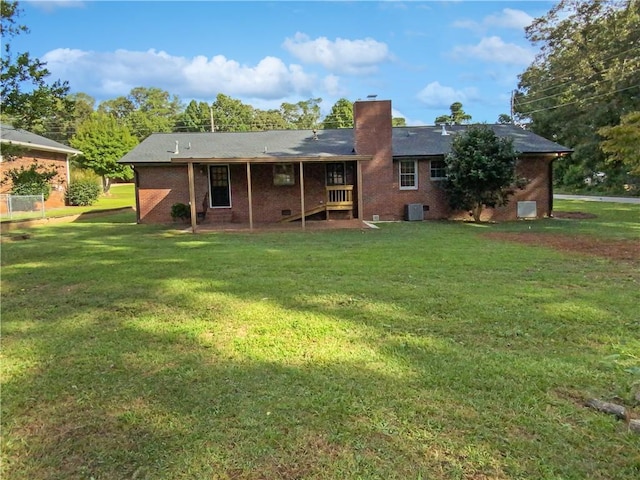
(46,148)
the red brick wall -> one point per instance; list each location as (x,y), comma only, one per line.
(380,177)
(160,187)
(48,160)
(429,193)
(157,189)
(536,170)
(270,200)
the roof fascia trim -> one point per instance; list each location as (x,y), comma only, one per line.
(45,148)
(288,159)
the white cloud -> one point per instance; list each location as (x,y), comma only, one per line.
(411,122)
(354,57)
(333,86)
(508,18)
(494,49)
(270,78)
(435,95)
(115,73)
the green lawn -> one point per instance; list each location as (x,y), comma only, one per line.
(422,350)
(120,196)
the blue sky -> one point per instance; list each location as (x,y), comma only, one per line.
(421,55)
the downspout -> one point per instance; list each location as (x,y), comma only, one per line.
(68,172)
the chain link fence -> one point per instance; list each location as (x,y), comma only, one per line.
(17,207)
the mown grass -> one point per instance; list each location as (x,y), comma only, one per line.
(610,220)
(419,350)
(120,196)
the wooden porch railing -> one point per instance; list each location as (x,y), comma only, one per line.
(339,197)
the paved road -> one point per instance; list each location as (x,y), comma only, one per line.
(598,199)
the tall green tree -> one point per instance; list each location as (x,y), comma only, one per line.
(457,116)
(341,115)
(585,76)
(302,115)
(481,170)
(26,97)
(231,115)
(103,141)
(622,142)
(145,110)
(62,124)
(195,118)
(268,120)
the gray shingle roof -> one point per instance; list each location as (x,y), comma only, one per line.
(410,141)
(17,136)
(160,147)
(407,141)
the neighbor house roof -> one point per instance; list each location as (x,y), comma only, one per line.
(23,138)
(407,141)
(430,141)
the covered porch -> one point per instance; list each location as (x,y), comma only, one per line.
(245,189)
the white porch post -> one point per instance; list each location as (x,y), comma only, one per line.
(192,197)
(249,196)
(302,219)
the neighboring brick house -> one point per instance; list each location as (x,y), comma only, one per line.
(35,148)
(371,172)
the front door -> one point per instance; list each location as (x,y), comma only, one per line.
(220,186)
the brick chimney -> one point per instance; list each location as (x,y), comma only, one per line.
(372,136)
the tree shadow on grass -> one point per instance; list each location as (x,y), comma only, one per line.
(159,355)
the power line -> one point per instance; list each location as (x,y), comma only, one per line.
(571,79)
(534,100)
(582,100)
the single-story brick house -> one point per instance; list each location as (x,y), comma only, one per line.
(36,148)
(371,172)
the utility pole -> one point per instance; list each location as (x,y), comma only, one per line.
(512,105)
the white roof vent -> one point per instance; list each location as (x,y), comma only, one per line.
(444,130)
(176,151)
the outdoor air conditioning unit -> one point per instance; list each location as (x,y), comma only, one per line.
(413,212)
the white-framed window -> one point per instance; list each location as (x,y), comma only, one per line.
(408,174)
(284,174)
(438,170)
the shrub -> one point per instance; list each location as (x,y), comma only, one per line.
(83,192)
(181,211)
(31,181)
